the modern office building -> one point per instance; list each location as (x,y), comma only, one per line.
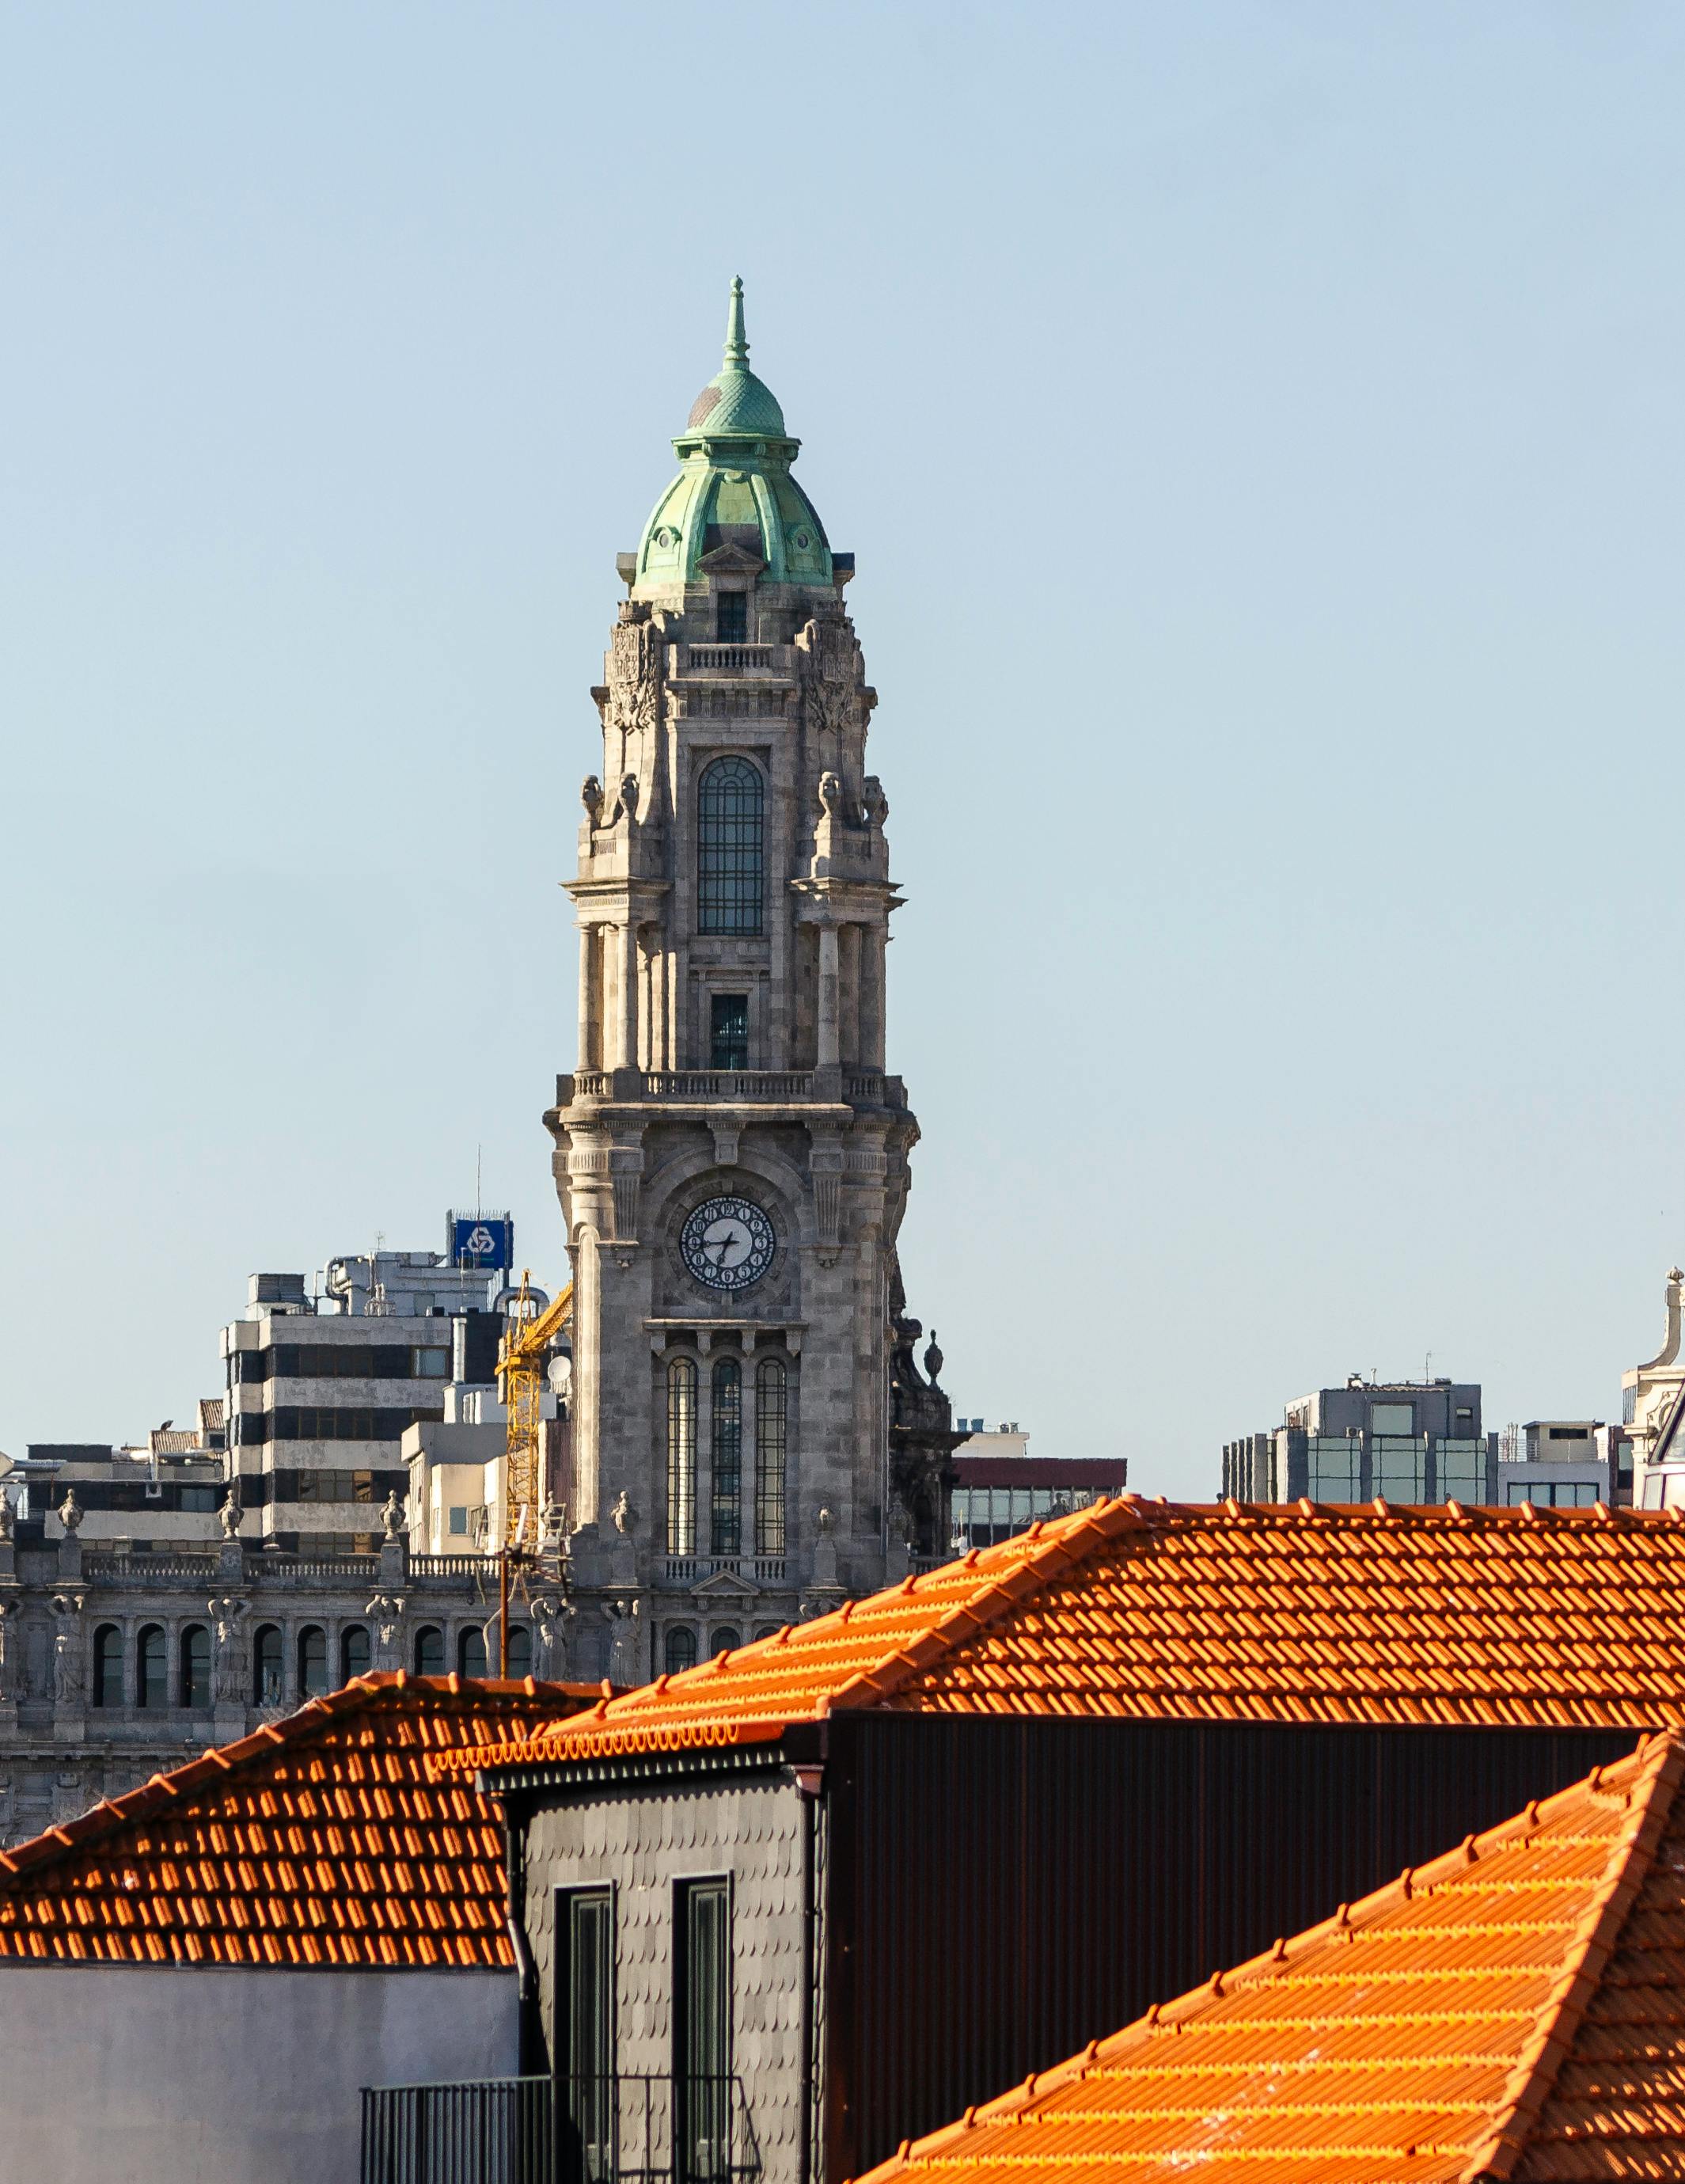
(1001,1489)
(1397,1440)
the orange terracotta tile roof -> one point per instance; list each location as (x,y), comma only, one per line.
(323,1841)
(1452,1616)
(1514,2011)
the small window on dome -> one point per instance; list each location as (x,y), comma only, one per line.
(732,623)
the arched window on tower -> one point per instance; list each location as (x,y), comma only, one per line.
(682,1457)
(726,1471)
(769,1401)
(729,824)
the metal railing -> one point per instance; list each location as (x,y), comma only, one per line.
(490,2131)
(619,2130)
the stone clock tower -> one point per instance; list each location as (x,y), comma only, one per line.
(752,1438)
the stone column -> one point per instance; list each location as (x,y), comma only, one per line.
(848,994)
(626,1029)
(829,1053)
(871,997)
(588,1056)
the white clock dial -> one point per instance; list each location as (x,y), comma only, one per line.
(726,1243)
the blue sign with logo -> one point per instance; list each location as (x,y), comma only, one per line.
(486,1240)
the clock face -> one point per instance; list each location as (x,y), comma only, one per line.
(727,1243)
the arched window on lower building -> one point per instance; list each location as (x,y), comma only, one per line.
(769,1401)
(520,1650)
(723,1640)
(682,1457)
(470,1651)
(353,1652)
(196,1666)
(151,1663)
(313,1661)
(726,1530)
(430,1651)
(108,1665)
(266,1666)
(768,1630)
(679,1652)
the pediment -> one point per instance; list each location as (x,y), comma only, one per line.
(732,559)
(723,1585)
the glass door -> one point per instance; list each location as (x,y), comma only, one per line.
(587,2046)
(705,2033)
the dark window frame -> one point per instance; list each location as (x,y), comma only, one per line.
(703,2022)
(731,836)
(151,1667)
(588,2092)
(728,1031)
(193,1667)
(726,1458)
(108,1657)
(269,1665)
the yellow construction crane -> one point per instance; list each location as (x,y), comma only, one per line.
(521,1368)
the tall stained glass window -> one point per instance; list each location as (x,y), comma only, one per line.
(769,1405)
(730,825)
(682,1457)
(726,1472)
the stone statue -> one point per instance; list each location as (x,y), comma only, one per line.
(591,796)
(392,1515)
(67,1647)
(625,1621)
(830,794)
(551,1616)
(229,1517)
(8,1517)
(386,1612)
(70,1511)
(622,1515)
(227,1612)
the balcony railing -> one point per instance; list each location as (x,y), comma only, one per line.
(862,1088)
(687,1569)
(623,2130)
(734,658)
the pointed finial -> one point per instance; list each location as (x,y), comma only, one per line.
(736,343)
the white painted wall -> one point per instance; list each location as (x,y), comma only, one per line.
(132,2075)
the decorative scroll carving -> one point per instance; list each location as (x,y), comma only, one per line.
(832,680)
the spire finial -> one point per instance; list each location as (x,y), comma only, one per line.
(737,341)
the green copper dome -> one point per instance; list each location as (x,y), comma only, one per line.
(734,487)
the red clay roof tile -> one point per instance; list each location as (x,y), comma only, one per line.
(1514,1618)
(147,1878)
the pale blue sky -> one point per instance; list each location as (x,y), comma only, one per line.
(1258,429)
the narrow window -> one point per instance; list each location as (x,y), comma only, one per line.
(731,618)
(682,1457)
(679,1652)
(730,1031)
(770,1397)
(729,881)
(470,1651)
(196,1681)
(353,1652)
(153,1681)
(585,2011)
(727,1468)
(430,1651)
(266,1666)
(520,1650)
(108,1665)
(312,1662)
(702,2030)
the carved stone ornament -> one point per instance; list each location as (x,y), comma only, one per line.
(8,1517)
(634,676)
(551,1615)
(873,804)
(11,1650)
(228,1516)
(626,804)
(831,795)
(70,1511)
(591,796)
(623,1517)
(392,1516)
(67,1648)
(833,673)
